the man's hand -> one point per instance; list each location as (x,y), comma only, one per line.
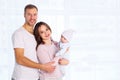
(48,67)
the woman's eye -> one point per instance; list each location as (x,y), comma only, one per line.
(47,29)
(41,32)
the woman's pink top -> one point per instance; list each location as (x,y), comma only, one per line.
(46,53)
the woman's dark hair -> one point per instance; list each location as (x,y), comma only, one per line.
(36,32)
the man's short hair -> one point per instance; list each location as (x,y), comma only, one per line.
(30,6)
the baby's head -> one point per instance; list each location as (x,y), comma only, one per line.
(66,36)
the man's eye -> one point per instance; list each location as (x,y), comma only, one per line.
(47,29)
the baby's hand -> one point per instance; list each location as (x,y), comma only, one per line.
(63,61)
(67,50)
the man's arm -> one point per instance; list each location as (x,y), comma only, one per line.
(22,60)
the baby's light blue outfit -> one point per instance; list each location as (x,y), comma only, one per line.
(62,54)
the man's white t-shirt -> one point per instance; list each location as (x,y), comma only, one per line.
(23,39)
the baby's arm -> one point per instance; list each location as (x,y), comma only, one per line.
(62,51)
(63,56)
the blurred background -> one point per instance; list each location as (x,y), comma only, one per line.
(94,52)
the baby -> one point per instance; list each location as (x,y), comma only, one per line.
(64,45)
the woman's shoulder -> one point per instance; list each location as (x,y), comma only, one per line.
(56,43)
(40,45)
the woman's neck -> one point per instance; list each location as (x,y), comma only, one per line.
(28,28)
(48,42)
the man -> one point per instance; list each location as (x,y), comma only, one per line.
(24,44)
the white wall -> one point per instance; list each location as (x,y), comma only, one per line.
(95,53)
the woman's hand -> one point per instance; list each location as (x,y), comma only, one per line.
(63,61)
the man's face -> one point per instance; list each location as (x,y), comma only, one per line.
(31,16)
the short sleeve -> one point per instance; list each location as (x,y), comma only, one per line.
(18,40)
(43,55)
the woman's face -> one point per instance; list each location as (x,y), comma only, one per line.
(44,32)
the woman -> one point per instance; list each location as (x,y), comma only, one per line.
(46,49)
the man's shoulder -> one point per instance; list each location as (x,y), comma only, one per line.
(18,32)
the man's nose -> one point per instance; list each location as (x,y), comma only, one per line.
(32,17)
